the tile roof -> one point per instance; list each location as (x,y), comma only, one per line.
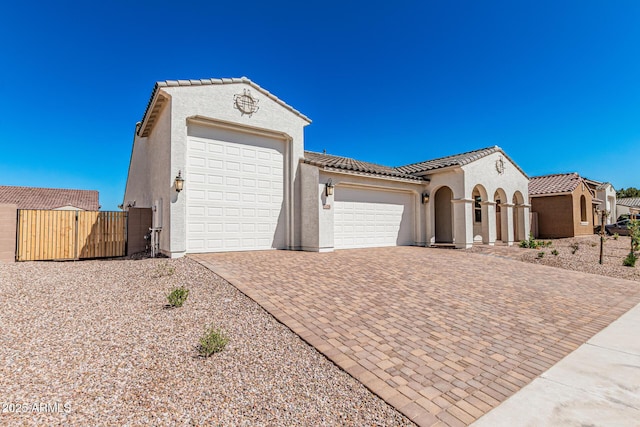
(337,162)
(598,185)
(454,160)
(629,201)
(552,184)
(206,82)
(49,198)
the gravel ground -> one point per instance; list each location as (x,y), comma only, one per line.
(576,253)
(95,336)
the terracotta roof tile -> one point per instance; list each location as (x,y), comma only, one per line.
(337,162)
(49,198)
(454,160)
(629,201)
(552,184)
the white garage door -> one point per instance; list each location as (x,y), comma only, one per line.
(234,188)
(370,218)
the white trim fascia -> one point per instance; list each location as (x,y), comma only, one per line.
(445,169)
(376,187)
(145,123)
(223,124)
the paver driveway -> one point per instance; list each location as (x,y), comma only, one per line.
(442,335)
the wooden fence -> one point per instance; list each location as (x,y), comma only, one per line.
(63,235)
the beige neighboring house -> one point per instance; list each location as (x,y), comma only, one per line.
(249,184)
(49,198)
(563,204)
(628,205)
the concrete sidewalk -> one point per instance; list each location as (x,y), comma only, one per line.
(596,385)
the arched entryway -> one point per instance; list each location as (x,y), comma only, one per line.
(443,215)
(480,220)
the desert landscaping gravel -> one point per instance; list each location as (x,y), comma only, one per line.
(580,253)
(91,343)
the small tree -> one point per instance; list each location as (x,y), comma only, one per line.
(634,228)
(634,232)
(603,217)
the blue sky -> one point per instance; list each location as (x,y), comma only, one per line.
(555,84)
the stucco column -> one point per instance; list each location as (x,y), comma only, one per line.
(525,228)
(462,223)
(506,217)
(489,223)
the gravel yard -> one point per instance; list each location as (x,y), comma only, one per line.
(95,336)
(575,253)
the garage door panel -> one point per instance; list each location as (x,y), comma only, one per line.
(242,194)
(368,218)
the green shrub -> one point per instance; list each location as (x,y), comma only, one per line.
(616,236)
(164,269)
(555,252)
(630,260)
(634,232)
(532,243)
(541,254)
(178,296)
(213,341)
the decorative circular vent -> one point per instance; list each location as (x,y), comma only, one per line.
(246,103)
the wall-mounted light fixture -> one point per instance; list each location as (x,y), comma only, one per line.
(329,188)
(179,182)
(425,198)
(131,204)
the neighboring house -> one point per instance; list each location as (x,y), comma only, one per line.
(628,205)
(250,185)
(49,198)
(605,199)
(563,205)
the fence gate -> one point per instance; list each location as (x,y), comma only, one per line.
(60,235)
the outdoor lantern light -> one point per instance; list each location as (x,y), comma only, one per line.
(425,198)
(179,182)
(329,187)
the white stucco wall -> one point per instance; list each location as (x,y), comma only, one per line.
(484,172)
(149,179)
(217,102)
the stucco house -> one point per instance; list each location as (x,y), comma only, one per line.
(563,204)
(249,184)
(604,200)
(628,205)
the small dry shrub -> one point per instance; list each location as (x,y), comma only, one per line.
(213,341)
(178,296)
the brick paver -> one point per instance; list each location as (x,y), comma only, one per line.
(444,336)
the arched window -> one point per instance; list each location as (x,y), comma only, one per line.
(477,207)
(583,208)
